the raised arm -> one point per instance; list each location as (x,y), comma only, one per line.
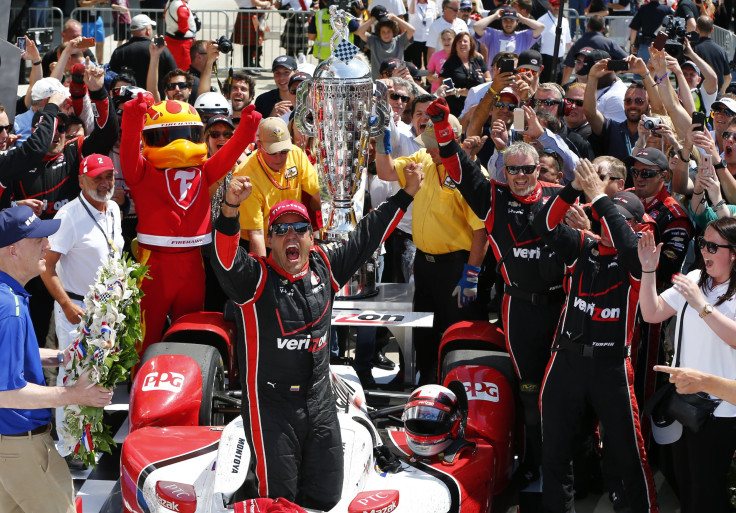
(590,100)
(653,308)
(205,80)
(152,76)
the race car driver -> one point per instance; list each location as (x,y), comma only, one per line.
(285,307)
(532,272)
(591,359)
(169,182)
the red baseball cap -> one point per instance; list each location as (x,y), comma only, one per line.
(95,164)
(287,207)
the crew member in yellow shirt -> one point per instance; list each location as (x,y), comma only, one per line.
(451,244)
(278,171)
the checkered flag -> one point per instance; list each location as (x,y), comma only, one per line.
(345,51)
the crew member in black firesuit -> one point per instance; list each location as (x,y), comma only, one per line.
(591,359)
(53,182)
(285,303)
(532,273)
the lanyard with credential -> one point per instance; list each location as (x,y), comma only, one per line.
(112,248)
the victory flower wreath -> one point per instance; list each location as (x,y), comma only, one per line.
(106,344)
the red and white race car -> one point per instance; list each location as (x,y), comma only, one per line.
(178,459)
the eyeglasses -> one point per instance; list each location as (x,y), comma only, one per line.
(525,70)
(504,105)
(515,170)
(180,85)
(283,153)
(645,173)
(282,229)
(397,96)
(718,110)
(638,101)
(546,103)
(577,103)
(728,135)
(467,9)
(452,8)
(711,246)
(6,128)
(216,134)
(672,154)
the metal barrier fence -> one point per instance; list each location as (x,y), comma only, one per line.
(726,40)
(40,20)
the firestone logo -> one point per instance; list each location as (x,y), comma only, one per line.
(481,391)
(168,381)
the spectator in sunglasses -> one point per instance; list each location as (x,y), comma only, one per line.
(178,85)
(649,169)
(278,170)
(573,114)
(7,139)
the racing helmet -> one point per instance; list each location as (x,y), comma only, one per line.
(432,420)
(211,104)
(173,136)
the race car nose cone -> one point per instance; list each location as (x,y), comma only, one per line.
(176,496)
(376,500)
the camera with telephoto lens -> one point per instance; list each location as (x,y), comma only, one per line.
(224,44)
(651,123)
(675,28)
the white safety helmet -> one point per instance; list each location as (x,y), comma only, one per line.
(212,104)
(432,420)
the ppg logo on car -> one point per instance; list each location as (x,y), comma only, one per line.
(481,391)
(169,381)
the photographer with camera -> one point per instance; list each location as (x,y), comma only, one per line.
(204,56)
(645,23)
(135,54)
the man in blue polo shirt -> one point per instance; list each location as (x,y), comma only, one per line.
(25,400)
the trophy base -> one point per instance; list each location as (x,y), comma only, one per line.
(362,284)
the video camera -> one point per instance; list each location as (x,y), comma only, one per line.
(675,28)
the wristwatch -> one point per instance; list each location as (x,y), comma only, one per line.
(708,308)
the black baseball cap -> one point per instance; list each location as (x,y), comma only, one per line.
(379,12)
(529,59)
(650,157)
(591,57)
(509,13)
(299,76)
(415,72)
(285,61)
(629,205)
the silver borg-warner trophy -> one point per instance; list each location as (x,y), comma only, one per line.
(342,108)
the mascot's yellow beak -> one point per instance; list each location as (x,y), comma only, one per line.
(177,154)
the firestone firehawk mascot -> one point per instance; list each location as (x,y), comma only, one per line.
(168,181)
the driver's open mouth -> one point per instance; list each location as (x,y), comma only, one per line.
(292,252)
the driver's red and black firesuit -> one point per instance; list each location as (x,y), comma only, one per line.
(532,275)
(169,182)
(283,355)
(590,363)
(54,179)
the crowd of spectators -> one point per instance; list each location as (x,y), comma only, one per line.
(506,127)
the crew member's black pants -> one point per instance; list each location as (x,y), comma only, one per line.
(701,461)
(572,382)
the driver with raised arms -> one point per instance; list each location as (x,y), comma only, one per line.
(285,306)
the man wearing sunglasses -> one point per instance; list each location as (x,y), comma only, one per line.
(574,116)
(616,138)
(649,169)
(531,271)
(279,171)
(285,304)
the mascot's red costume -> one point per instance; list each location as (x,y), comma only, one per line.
(169,181)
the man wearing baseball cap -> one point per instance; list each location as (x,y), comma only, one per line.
(508,39)
(285,304)
(649,169)
(25,400)
(279,101)
(89,235)
(278,170)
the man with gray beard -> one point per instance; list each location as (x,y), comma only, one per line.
(89,235)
